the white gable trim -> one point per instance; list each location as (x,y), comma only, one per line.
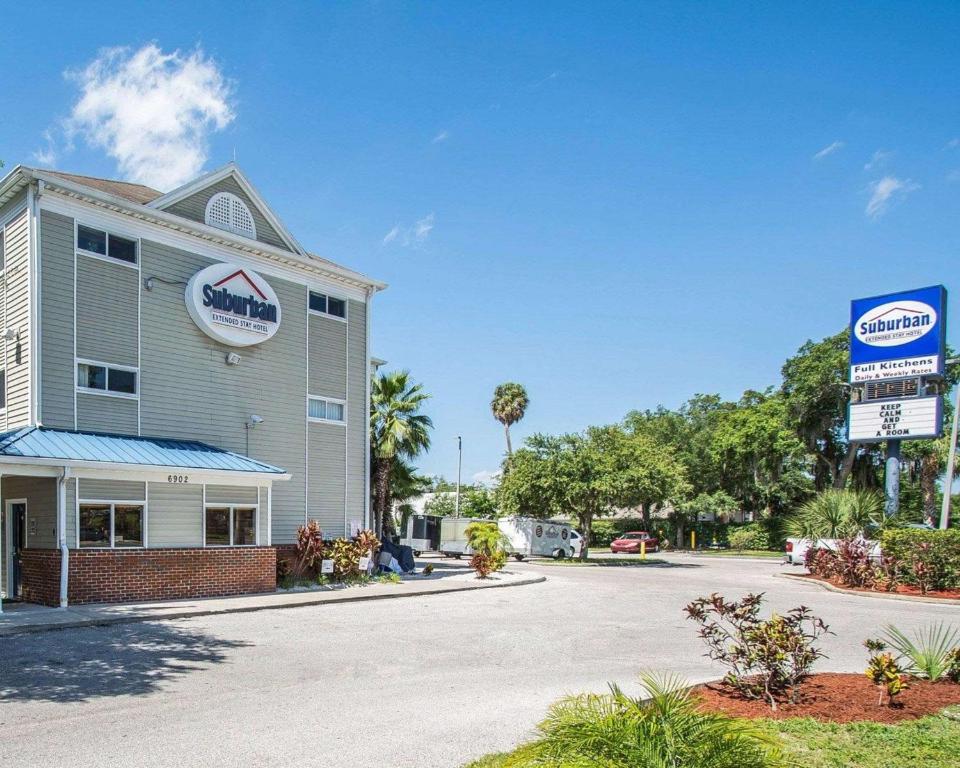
(214,177)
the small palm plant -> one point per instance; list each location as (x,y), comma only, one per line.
(928,653)
(488,545)
(615,730)
(837,514)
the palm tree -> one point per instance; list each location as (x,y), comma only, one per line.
(509,404)
(837,514)
(397,430)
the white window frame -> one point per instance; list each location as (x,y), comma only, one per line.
(318,313)
(78,361)
(113,504)
(233,506)
(323,398)
(105,257)
(231,227)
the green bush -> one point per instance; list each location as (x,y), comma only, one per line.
(749,536)
(664,728)
(926,559)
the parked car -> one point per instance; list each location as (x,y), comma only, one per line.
(795,551)
(629,542)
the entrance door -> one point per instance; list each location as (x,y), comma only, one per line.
(17,521)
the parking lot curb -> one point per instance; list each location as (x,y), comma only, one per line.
(321,599)
(876,595)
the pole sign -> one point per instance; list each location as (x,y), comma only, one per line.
(908,419)
(898,335)
(233,305)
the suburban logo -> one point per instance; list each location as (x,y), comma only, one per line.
(233,305)
(895,323)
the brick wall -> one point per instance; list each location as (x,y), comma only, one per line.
(114,576)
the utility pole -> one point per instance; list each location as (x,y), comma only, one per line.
(951,456)
(459,466)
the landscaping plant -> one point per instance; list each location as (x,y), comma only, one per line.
(883,671)
(487,543)
(664,728)
(310,549)
(953,665)
(928,560)
(837,514)
(767,659)
(930,653)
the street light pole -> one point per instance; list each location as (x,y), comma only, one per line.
(459,466)
(951,457)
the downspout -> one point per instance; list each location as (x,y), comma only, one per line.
(35,288)
(62,534)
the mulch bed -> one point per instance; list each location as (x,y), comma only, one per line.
(903,589)
(838,698)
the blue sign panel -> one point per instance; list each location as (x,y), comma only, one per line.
(898,335)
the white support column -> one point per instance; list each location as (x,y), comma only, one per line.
(62,535)
(270,515)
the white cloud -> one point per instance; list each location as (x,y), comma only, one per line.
(442,136)
(552,76)
(884,191)
(414,235)
(878,160)
(953,143)
(151,111)
(48,155)
(488,478)
(828,150)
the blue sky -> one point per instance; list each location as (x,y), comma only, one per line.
(617,205)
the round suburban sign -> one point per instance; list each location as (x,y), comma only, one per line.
(895,323)
(233,305)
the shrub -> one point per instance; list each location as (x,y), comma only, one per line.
(767,659)
(749,536)
(929,560)
(853,565)
(953,665)
(487,543)
(836,514)
(310,549)
(883,671)
(929,652)
(665,728)
(602,532)
(822,562)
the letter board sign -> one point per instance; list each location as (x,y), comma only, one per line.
(233,305)
(879,420)
(898,335)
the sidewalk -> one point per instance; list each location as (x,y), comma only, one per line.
(24,618)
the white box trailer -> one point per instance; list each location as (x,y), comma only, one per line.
(422,534)
(453,535)
(530,537)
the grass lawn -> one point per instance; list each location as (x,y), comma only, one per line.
(741,553)
(932,742)
(605,561)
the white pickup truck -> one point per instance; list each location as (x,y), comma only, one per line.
(795,552)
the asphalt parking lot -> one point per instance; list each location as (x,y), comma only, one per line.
(424,681)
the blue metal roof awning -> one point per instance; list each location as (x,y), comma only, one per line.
(68,447)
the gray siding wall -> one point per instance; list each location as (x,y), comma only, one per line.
(262,520)
(327,482)
(56,326)
(107,311)
(41,496)
(102,413)
(175,515)
(224,494)
(195,208)
(71,512)
(111,490)
(357,418)
(17,353)
(328,357)
(187,390)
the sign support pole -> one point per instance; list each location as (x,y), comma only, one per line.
(951,463)
(893,477)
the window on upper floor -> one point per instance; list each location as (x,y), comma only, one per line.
(97,242)
(327,305)
(325,409)
(227,211)
(103,379)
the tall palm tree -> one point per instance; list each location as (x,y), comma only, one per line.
(398,430)
(509,404)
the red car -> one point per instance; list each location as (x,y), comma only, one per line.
(630,542)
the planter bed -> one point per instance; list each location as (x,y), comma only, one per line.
(905,590)
(838,698)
